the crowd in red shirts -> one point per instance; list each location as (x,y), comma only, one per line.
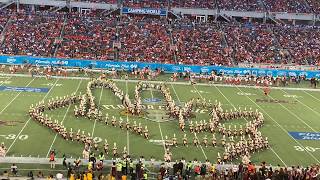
(147,39)
(200,44)
(32,35)
(87,38)
(303,43)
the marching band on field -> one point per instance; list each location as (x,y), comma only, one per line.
(249,139)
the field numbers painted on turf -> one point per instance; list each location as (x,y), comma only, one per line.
(52,84)
(201,92)
(307,148)
(13,136)
(245,94)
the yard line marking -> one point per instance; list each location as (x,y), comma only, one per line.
(175,92)
(279,126)
(163,143)
(29,120)
(15,97)
(301,120)
(274,152)
(128,141)
(64,117)
(95,121)
(312,96)
(304,104)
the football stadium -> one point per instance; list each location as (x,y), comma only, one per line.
(159,89)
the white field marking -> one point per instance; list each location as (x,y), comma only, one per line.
(304,104)
(128,140)
(301,120)
(64,117)
(312,96)
(163,142)
(280,126)
(95,121)
(176,83)
(15,97)
(175,92)
(25,125)
(274,152)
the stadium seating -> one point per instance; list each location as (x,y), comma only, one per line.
(251,44)
(32,35)
(240,5)
(303,43)
(290,6)
(203,4)
(146,3)
(87,38)
(146,40)
(201,44)
(99,1)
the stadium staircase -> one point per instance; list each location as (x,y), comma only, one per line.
(10,2)
(225,44)
(60,38)
(4,30)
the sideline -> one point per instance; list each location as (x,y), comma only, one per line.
(168,82)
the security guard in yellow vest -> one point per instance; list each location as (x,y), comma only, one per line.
(101,157)
(119,169)
(189,168)
(131,167)
(124,167)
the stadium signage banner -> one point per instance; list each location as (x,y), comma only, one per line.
(305,135)
(150,11)
(170,68)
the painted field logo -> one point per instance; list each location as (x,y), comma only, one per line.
(276,101)
(305,135)
(152,100)
(9,123)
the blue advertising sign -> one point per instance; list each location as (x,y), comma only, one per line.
(24,89)
(170,68)
(305,135)
(151,11)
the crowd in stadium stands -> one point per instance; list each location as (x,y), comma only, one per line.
(200,44)
(99,1)
(181,170)
(315,5)
(303,43)
(145,40)
(251,44)
(32,35)
(290,6)
(240,5)
(146,3)
(86,38)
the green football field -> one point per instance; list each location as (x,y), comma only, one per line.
(298,112)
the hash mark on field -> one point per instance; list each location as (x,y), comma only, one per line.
(64,117)
(25,125)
